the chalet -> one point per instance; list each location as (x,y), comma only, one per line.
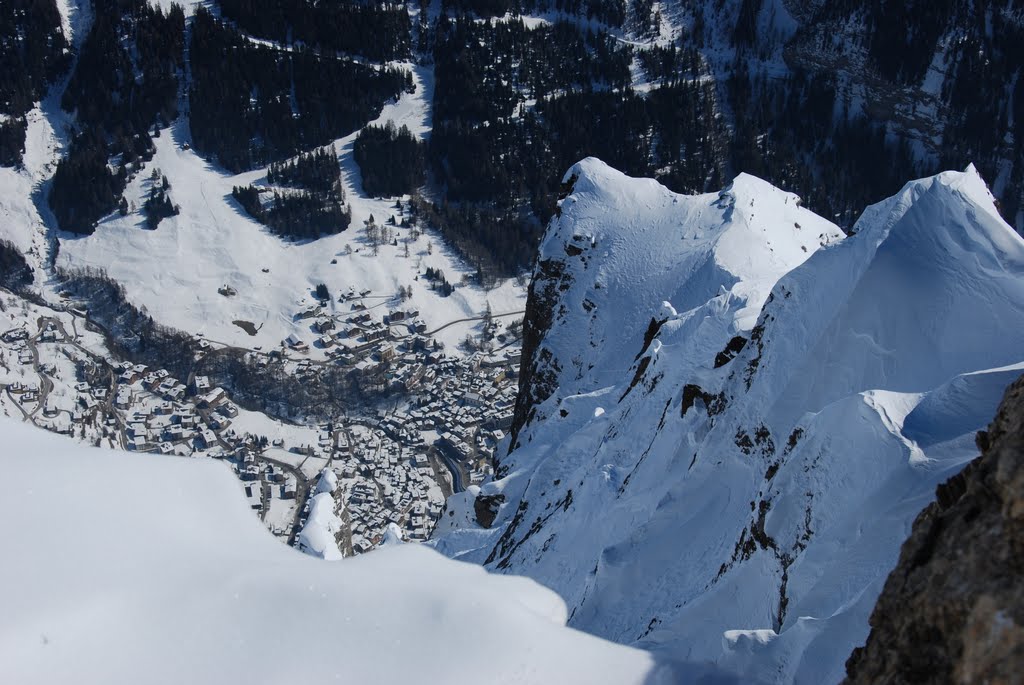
(219,423)
(309,312)
(15,335)
(206,439)
(324,324)
(250,472)
(293,341)
(228,409)
(200,384)
(375,332)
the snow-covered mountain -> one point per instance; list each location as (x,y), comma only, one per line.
(729,414)
(164,576)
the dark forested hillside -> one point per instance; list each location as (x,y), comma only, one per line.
(840,102)
(514,107)
(392,160)
(376,30)
(313,204)
(32,54)
(941,78)
(15,273)
(124,84)
(252,104)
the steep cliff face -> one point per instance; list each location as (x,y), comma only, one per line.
(953,608)
(742,412)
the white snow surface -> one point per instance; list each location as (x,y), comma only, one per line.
(327,483)
(175,271)
(317,537)
(746,534)
(167,577)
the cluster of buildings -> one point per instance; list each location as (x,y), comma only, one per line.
(392,466)
(396,467)
(384,481)
(387,351)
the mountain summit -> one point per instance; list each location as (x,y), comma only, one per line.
(729,414)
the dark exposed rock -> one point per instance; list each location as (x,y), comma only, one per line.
(486,508)
(641,368)
(734,347)
(952,611)
(537,379)
(652,330)
(715,404)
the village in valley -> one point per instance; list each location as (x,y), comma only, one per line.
(333,488)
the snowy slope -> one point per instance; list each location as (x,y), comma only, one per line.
(623,246)
(741,514)
(175,271)
(164,576)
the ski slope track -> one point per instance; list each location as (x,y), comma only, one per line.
(733,509)
(167,577)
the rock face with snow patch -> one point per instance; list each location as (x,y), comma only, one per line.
(730,415)
(953,608)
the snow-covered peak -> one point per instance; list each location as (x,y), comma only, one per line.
(722,439)
(952,213)
(162,575)
(928,288)
(622,246)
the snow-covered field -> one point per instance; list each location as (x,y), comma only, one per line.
(176,270)
(164,576)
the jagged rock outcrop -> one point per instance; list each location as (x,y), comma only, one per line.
(953,608)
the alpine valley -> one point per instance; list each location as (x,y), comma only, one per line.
(512,341)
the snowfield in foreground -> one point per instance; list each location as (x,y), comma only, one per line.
(122,568)
(733,414)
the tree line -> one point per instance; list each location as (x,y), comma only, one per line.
(380,31)
(124,84)
(32,54)
(251,104)
(392,160)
